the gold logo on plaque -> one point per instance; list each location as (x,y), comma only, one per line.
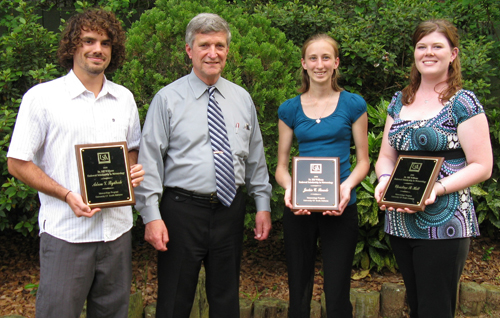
(415,167)
(103,157)
(316,168)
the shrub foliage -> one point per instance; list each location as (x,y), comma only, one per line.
(264,58)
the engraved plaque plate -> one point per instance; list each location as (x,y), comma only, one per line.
(315,183)
(104,172)
(411,182)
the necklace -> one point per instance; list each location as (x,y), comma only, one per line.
(318,119)
(427,98)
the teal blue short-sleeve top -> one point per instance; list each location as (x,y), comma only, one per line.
(331,137)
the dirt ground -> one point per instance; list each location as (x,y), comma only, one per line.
(263,271)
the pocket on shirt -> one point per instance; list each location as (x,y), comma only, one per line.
(242,134)
(113,129)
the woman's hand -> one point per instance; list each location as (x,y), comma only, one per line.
(288,202)
(380,188)
(333,213)
(428,201)
(345,197)
(302,212)
(379,192)
(288,198)
(433,195)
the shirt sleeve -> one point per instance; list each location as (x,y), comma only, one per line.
(134,127)
(286,112)
(153,148)
(30,128)
(391,109)
(256,173)
(358,107)
(465,106)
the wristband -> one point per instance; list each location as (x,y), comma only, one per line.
(383,175)
(66,196)
(444,188)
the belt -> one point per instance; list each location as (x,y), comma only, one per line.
(207,197)
(447,154)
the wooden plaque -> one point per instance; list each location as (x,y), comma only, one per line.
(104,172)
(411,182)
(315,183)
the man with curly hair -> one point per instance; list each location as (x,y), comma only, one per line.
(85,254)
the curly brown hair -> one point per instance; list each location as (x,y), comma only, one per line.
(454,80)
(97,20)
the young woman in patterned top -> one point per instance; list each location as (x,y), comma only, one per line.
(434,116)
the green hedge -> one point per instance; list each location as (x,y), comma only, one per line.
(27,57)
(264,58)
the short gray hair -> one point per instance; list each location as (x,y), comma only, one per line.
(206,23)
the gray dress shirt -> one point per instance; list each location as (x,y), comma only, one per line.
(175,148)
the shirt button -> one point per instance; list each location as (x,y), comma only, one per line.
(177,197)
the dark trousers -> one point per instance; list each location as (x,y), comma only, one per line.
(100,272)
(339,236)
(200,232)
(431,271)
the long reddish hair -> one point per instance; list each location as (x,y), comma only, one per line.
(454,80)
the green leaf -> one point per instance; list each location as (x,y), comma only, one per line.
(365,261)
(477,191)
(376,257)
(359,247)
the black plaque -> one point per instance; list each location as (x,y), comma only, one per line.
(104,172)
(315,183)
(411,182)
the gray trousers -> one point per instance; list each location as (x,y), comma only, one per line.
(70,273)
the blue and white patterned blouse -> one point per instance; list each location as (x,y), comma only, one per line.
(451,215)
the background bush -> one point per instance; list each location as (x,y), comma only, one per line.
(27,57)
(376,55)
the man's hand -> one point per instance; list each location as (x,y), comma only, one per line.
(157,235)
(136,174)
(80,209)
(262,225)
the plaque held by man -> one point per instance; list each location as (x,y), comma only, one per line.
(104,172)
(411,182)
(315,183)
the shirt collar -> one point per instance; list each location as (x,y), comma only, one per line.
(199,87)
(76,88)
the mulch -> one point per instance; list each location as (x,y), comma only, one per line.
(263,269)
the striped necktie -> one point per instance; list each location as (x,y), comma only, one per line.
(223,159)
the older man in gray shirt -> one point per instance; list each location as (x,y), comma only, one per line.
(191,124)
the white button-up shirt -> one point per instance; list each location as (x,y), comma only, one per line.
(53,118)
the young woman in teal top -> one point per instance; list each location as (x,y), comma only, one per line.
(324,119)
(434,116)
